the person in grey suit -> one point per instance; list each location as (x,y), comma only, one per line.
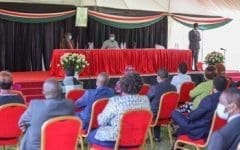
(111,43)
(40,111)
(228,137)
(194,43)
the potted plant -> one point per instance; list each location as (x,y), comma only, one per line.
(214,58)
(73,63)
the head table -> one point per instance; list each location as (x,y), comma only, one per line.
(145,61)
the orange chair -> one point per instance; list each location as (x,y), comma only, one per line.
(144,90)
(185,89)
(61,133)
(75,94)
(134,126)
(217,123)
(168,103)
(9,116)
(97,108)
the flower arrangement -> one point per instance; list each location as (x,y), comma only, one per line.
(214,58)
(73,60)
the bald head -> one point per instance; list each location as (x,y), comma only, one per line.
(102,79)
(52,89)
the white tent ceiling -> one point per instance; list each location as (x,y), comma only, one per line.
(225,8)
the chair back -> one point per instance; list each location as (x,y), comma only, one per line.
(134,127)
(60,133)
(217,123)
(75,94)
(185,89)
(9,117)
(168,103)
(97,108)
(200,66)
(144,90)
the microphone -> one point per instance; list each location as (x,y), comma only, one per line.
(223,49)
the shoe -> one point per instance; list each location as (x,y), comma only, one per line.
(157,140)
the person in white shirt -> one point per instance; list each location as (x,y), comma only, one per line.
(182,77)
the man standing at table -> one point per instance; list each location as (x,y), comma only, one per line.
(67,42)
(194,43)
(111,43)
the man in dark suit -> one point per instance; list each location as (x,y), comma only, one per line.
(228,137)
(197,123)
(6,94)
(164,85)
(194,43)
(40,111)
(90,96)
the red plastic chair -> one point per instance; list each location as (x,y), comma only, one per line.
(200,66)
(144,90)
(217,123)
(75,94)
(168,103)
(134,126)
(9,117)
(61,133)
(97,108)
(185,89)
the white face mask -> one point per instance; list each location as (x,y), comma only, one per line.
(221,112)
(112,38)
(70,37)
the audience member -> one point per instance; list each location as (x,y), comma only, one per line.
(90,96)
(109,119)
(111,43)
(155,94)
(69,81)
(228,137)
(182,77)
(6,94)
(67,42)
(220,69)
(200,91)
(197,123)
(128,69)
(40,111)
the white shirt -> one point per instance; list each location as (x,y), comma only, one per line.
(179,79)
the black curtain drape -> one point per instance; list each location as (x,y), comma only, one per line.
(28,47)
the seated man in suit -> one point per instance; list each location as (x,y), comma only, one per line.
(164,85)
(91,95)
(228,137)
(6,94)
(40,111)
(111,43)
(197,123)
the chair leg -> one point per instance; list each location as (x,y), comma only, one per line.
(150,137)
(170,134)
(81,143)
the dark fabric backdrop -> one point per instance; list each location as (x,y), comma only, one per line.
(23,47)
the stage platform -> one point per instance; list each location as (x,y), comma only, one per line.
(30,83)
(89,81)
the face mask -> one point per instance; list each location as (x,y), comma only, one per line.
(221,111)
(112,38)
(70,37)
(5,85)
